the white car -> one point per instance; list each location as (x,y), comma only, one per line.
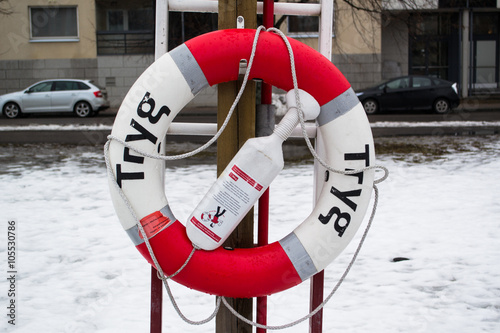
(65,95)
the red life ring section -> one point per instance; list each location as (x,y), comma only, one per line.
(159,95)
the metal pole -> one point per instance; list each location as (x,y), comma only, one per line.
(325,48)
(161,47)
(156,302)
(161,29)
(263,221)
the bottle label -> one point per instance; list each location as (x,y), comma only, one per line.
(226,203)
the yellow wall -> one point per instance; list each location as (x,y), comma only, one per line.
(15,41)
(356,32)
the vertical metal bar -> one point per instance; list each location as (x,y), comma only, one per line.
(263,221)
(325,48)
(161,28)
(156,302)
(161,47)
(263,239)
(326,28)
(316,290)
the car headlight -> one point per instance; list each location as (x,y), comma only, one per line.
(359,93)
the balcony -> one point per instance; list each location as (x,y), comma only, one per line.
(125,42)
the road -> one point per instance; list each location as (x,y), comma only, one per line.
(207,115)
(459,122)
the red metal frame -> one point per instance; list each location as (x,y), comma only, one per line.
(156,302)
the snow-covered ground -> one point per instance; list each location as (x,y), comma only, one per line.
(77,271)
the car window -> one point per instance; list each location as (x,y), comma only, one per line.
(62,85)
(69,85)
(399,83)
(438,82)
(420,82)
(82,86)
(41,87)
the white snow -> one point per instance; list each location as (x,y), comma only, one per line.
(77,271)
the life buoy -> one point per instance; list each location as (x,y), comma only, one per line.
(159,95)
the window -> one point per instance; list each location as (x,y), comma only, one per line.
(115,20)
(434,40)
(53,24)
(125,31)
(467,3)
(70,85)
(303,25)
(183,26)
(419,82)
(130,20)
(399,83)
(41,87)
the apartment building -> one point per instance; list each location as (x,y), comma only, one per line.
(112,42)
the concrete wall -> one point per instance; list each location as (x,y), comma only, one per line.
(18,74)
(118,74)
(361,70)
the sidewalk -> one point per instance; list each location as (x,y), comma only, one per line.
(474,116)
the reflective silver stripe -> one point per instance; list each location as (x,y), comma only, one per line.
(337,107)
(298,256)
(133,232)
(166,211)
(189,68)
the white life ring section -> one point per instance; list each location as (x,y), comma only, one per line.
(158,96)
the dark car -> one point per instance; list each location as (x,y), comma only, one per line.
(410,93)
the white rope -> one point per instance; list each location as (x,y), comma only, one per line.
(334,290)
(302,121)
(160,272)
(324,164)
(222,127)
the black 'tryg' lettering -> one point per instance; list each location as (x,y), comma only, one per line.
(126,175)
(359,156)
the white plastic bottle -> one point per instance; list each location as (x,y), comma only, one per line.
(244,179)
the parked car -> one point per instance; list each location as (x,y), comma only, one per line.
(82,97)
(412,92)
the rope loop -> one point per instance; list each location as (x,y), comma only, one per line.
(219,299)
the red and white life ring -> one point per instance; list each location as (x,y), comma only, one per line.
(159,95)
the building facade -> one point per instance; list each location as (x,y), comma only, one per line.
(112,42)
(456,40)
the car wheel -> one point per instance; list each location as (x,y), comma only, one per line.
(441,105)
(11,110)
(370,106)
(83,109)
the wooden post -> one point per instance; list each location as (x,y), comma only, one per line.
(240,128)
